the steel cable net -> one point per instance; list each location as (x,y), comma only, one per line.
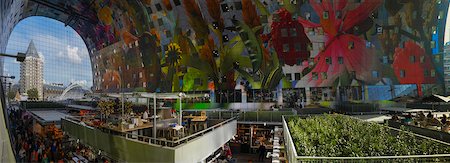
(64,55)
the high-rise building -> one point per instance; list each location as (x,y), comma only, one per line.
(31,71)
(447,68)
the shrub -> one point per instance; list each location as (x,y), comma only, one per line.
(333,135)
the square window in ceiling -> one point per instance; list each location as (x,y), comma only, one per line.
(263,19)
(297,47)
(225,7)
(293,32)
(328,60)
(284,32)
(225,38)
(160,22)
(351,45)
(412,59)
(402,73)
(158,7)
(298,76)
(176,2)
(299,62)
(289,77)
(285,48)
(324,75)
(168,34)
(238,5)
(375,74)
(433,44)
(325,15)
(315,76)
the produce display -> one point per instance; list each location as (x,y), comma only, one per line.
(333,135)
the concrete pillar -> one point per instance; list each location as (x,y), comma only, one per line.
(308,95)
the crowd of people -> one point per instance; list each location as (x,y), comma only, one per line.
(428,121)
(29,146)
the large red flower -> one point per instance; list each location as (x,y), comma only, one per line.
(347,51)
(413,66)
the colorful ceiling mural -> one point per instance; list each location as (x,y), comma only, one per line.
(191,45)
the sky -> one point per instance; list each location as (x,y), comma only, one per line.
(447,28)
(66,58)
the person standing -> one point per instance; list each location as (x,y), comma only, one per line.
(262,152)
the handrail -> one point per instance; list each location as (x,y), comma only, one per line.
(374,157)
(169,143)
(296,157)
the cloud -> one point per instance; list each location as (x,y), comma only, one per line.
(41,56)
(73,55)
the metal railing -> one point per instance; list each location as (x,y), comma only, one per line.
(264,116)
(292,154)
(158,141)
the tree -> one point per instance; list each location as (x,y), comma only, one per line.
(33,93)
(11,95)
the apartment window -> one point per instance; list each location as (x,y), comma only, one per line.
(324,75)
(288,77)
(197,81)
(341,60)
(315,76)
(325,15)
(144,84)
(176,2)
(297,47)
(293,32)
(128,67)
(433,73)
(351,45)
(238,5)
(425,73)
(140,75)
(328,60)
(158,7)
(402,73)
(284,32)
(298,76)
(299,62)
(437,58)
(285,48)
(338,14)
(412,59)
(353,74)
(385,59)
(375,74)
(160,22)
(225,7)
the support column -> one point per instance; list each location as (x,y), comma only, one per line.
(308,95)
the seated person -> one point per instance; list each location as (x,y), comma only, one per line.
(444,119)
(429,115)
(421,116)
(408,118)
(395,117)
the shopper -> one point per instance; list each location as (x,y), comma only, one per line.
(262,152)
(444,119)
(429,115)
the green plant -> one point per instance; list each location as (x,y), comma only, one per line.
(333,135)
(33,93)
(106,107)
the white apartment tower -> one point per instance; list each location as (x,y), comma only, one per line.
(31,71)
